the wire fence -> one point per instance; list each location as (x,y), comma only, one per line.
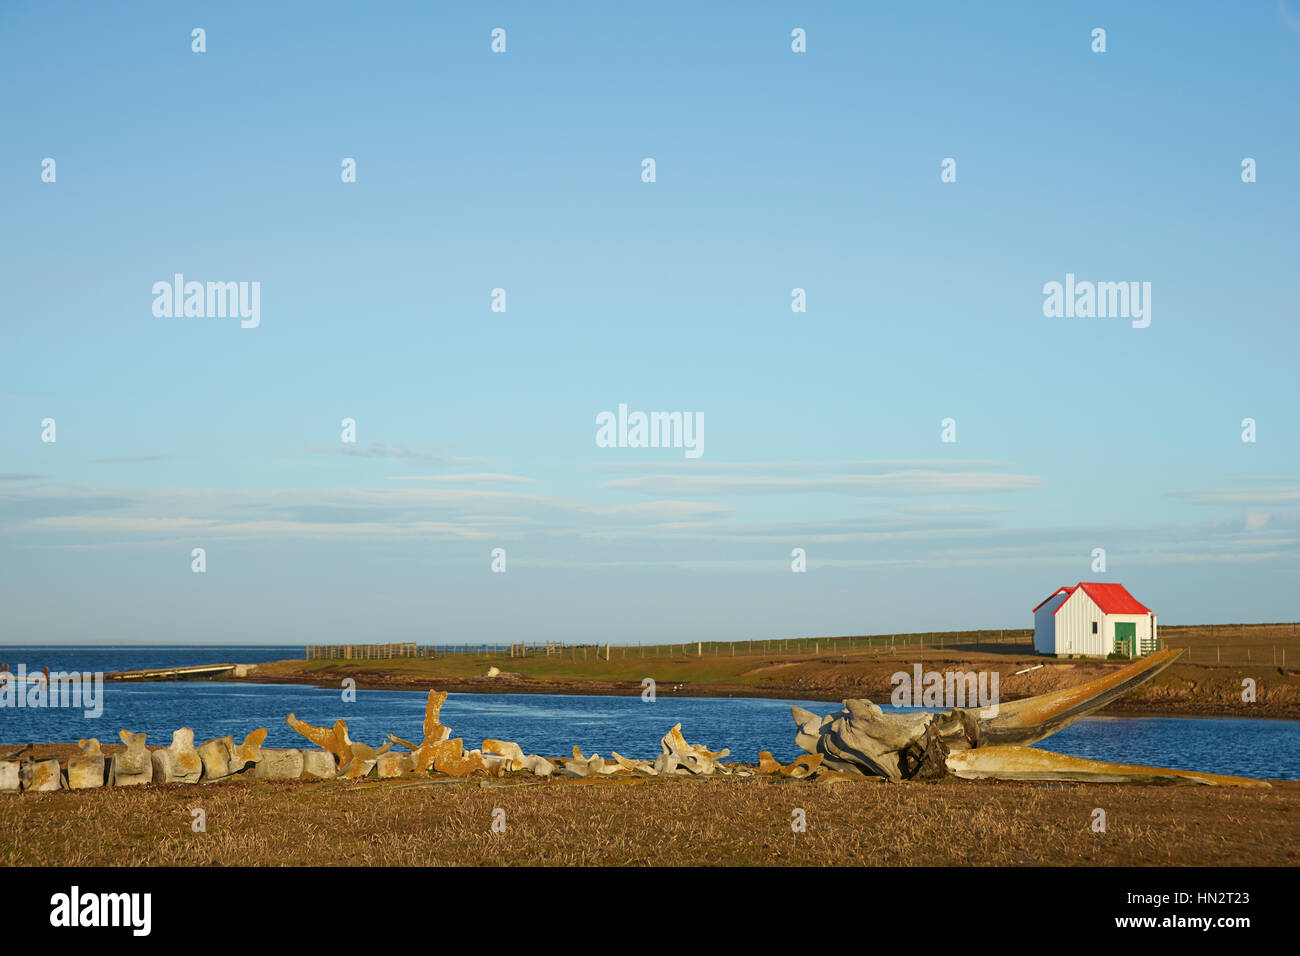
(835,646)
(1260,644)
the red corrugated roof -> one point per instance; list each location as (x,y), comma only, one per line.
(1111,598)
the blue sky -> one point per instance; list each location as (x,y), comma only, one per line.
(522,171)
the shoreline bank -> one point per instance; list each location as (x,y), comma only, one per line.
(1183,690)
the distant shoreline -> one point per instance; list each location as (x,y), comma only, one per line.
(1183,690)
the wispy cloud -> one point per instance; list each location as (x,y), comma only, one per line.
(129,460)
(895,483)
(379,449)
(680,530)
(311,513)
(481,478)
(850,467)
(1241,496)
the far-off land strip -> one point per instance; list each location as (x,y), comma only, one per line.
(1206,681)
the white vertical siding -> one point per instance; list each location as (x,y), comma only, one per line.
(1074,627)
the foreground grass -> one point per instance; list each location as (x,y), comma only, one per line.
(650,822)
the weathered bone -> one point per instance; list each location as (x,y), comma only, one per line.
(404,743)
(665,765)
(354,758)
(692,757)
(334,739)
(250,751)
(504,748)
(279,765)
(449,757)
(40,775)
(863,739)
(179,763)
(215,754)
(437,744)
(639,766)
(432,712)
(393,764)
(1010,762)
(804,766)
(538,766)
(357,768)
(494,764)
(134,766)
(581,766)
(1030,719)
(319,763)
(88,770)
(767,763)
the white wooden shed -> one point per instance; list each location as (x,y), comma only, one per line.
(1094,619)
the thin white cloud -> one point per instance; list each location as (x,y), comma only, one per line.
(803,468)
(895,483)
(1241,496)
(481,478)
(380,449)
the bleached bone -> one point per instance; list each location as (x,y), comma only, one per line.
(132,767)
(249,752)
(1010,762)
(40,775)
(692,757)
(180,762)
(89,769)
(215,754)
(347,751)
(862,739)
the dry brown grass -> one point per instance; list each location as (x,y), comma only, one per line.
(650,822)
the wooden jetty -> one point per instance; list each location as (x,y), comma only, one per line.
(196,672)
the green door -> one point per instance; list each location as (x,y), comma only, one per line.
(1125,637)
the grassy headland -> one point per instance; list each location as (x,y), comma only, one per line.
(1206,681)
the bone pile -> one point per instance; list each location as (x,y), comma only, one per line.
(437,753)
(677,758)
